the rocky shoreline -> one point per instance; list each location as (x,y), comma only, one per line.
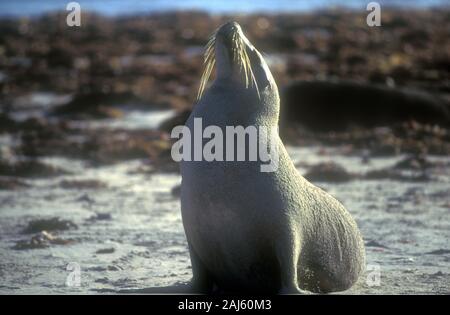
(154,62)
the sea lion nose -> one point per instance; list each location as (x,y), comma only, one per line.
(229,29)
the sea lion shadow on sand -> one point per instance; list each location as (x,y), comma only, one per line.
(176,288)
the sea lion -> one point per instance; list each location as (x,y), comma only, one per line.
(339,105)
(254,231)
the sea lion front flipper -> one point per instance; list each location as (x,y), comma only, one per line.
(288,253)
(202,281)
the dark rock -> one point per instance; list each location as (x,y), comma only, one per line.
(127,146)
(114,268)
(99,146)
(437,274)
(7,124)
(328,172)
(42,240)
(410,138)
(97,104)
(29,168)
(85,198)
(413,162)
(10,183)
(106,251)
(375,244)
(102,280)
(393,174)
(439,252)
(53,224)
(82,184)
(104,216)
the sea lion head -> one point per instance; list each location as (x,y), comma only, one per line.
(237,60)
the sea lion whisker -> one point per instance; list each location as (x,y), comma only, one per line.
(209,61)
(244,61)
(256,83)
(206,74)
(239,57)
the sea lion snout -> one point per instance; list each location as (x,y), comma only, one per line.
(228,29)
(236,59)
(231,34)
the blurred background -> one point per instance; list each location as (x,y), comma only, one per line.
(86,175)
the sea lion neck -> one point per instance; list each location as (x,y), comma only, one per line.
(224,61)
